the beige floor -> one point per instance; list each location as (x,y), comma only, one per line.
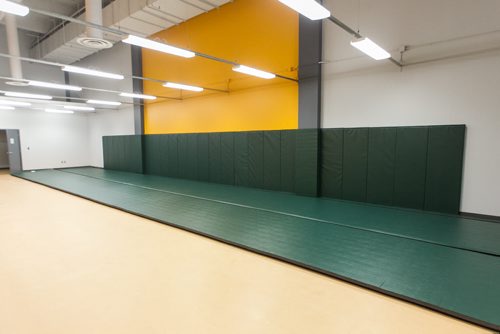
(68,265)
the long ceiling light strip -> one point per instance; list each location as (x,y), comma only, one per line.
(254,72)
(6,108)
(59,111)
(157,46)
(95,73)
(28,95)
(370,48)
(79,108)
(13,8)
(183,87)
(106,103)
(53,85)
(138,96)
(14,103)
(309,8)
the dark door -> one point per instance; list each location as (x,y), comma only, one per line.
(14,146)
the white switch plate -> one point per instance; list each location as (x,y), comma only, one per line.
(12,141)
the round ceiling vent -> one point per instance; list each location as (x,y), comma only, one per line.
(94,43)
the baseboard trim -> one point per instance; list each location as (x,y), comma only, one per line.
(495,219)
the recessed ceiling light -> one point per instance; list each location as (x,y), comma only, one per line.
(157,46)
(183,87)
(79,108)
(253,71)
(370,48)
(13,8)
(86,71)
(138,96)
(28,95)
(53,85)
(59,111)
(108,103)
(309,8)
(14,103)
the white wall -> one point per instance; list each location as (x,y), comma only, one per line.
(111,121)
(49,140)
(59,140)
(456,90)
(107,123)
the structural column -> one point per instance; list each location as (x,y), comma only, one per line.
(137,87)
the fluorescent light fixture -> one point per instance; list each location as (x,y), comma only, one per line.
(183,87)
(59,111)
(14,103)
(6,108)
(13,8)
(107,103)
(157,46)
(79,108)
(253,71)
(138,96)
(309,8)
(28,96)
(86,71)
(367,46)
(53,85)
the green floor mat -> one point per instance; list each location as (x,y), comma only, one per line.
(458,282)
(443,229)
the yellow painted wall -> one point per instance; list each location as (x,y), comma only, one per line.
(257,33)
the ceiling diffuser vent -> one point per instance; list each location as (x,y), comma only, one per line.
(94,43)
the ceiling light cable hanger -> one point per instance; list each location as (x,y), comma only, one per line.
(314,10)
(124,34)
(97,89)
(50,63)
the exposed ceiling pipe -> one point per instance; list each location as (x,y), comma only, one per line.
(16,69)
(94,37)
(93,13)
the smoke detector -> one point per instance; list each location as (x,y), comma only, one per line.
(94,43)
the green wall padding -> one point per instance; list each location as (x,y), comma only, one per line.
(182,152)
(287,157)
(227,157)
(332,148)
(123,153)
(256,159)
(173,156)
(410,167)
(192,153)
(306,162)
(241,159)
(259,159)
(272,160)
(215,157)
(355,160)
(381,156)
(152,155)
(107,152)
(202,157)
(444,168)
(416,167)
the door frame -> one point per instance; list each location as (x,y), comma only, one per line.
(17,147)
